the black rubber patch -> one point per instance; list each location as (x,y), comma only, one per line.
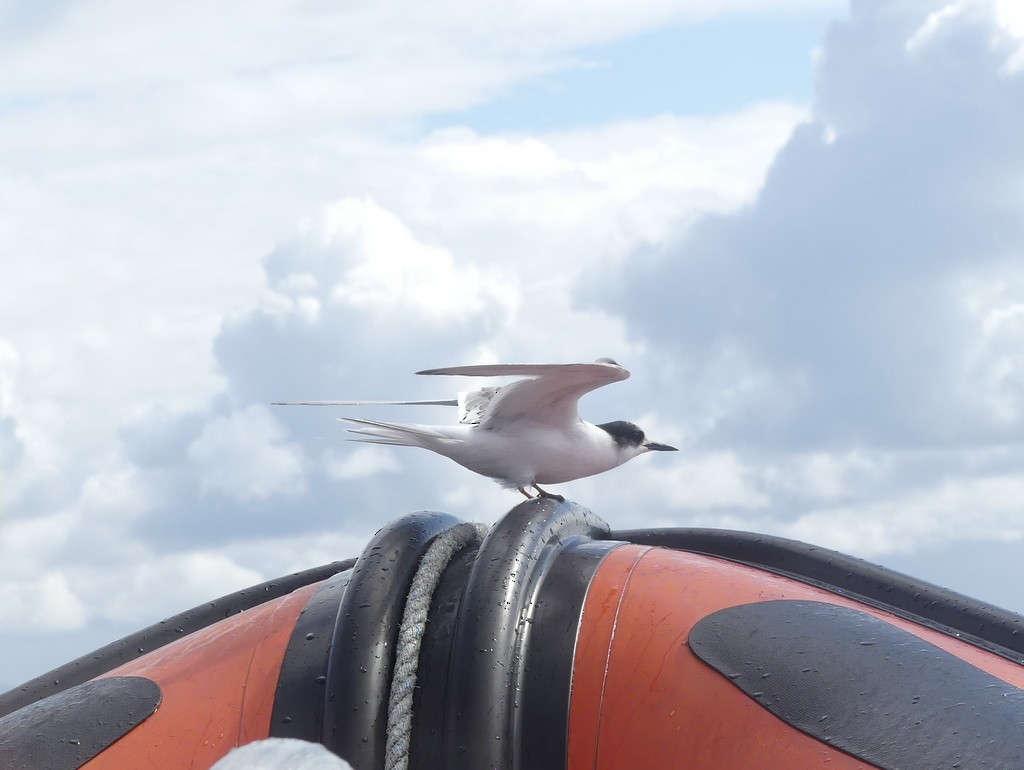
(864,686)
(66,730)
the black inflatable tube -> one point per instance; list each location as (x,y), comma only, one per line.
(363,644)
(491,650)
(302,682)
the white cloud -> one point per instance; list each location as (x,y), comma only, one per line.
(831,332)
(703,481)
(585,196)
(991,377)
(841,282)
(41,603)
(176,581)
(494,157)
(937,23)
(986,508)
(852,339)
(391,272)
(359,463)
(292,552)
(153,275)
(246,456)
(9,365)
(136,591)
(1011,16)
(263,71)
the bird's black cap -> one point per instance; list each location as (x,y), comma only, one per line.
(625,434)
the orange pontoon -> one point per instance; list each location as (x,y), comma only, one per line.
(555,643)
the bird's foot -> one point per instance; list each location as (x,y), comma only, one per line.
(545,493)
(526,494)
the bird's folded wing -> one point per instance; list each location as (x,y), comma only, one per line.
(473,404)
(533,370)
(549,396)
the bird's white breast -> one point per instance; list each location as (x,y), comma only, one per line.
(526,452)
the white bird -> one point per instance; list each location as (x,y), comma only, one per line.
(526,433)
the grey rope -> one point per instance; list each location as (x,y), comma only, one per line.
(410,636)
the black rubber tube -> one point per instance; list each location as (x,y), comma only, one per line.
(363,647)
(493,628)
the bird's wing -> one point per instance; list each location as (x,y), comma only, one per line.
(446,402)
(473,404)
(549,394)
(535,370)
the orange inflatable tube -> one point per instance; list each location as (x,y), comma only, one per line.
(552,641)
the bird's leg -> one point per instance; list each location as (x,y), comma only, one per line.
(525,493)
(545,493)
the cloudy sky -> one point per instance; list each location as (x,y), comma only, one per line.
(800,223)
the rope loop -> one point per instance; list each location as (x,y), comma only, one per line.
(410,636)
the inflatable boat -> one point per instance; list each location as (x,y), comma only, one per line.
(552,641)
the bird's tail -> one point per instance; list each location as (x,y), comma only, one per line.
(395,434)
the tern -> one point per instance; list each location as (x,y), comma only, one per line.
(522,434)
